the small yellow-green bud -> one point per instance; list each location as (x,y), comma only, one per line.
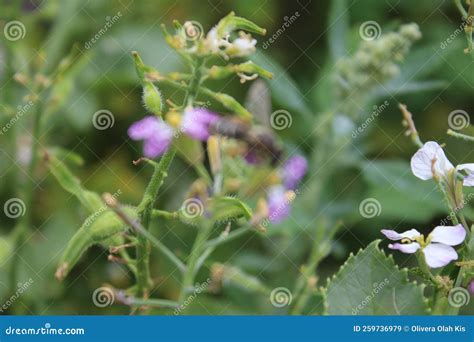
(152,98)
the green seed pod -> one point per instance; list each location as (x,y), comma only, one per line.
(97,228)
(152,98)
(230,103)
(231,23)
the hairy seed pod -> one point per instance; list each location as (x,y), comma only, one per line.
(97,228)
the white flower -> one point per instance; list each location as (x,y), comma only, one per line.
(437,246)
(431,159)
(242,46)
(214,43)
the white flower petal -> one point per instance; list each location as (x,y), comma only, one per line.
(408,248)
(469,168)
(421,162)
(448,235)
(393,235)
(439,255)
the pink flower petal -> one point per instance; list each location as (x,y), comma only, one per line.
(279,207)
(439,255)
(393,235)
(448,235)
(196,122)
(143,128)
(408,248)
(421,162)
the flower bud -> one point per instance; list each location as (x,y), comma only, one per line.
(152,98)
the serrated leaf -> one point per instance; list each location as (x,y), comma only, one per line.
(370,283)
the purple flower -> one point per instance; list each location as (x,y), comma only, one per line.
(278,204)
(431,158)
(196,122)
(294,170)
(155,133)
(436,247)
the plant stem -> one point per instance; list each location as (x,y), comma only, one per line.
(321,247)
(19,232)
(460,135)
(114,205)
(196,251)
(145,209)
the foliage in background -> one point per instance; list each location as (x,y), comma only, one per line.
(318,81)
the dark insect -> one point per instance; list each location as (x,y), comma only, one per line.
(262,144)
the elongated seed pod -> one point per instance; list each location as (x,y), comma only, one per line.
(96,229)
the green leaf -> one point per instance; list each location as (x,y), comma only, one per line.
(70,183)
(228,208)
(371,284)
(338,25)
(400,193)
(5,250)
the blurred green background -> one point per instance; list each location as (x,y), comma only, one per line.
(104,78)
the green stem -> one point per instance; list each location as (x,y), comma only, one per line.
(145,209)
(227,238)
(28,190)
(461,8)
(152,302)
(193,260)
(321,247)
(113,204)
(460,135)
